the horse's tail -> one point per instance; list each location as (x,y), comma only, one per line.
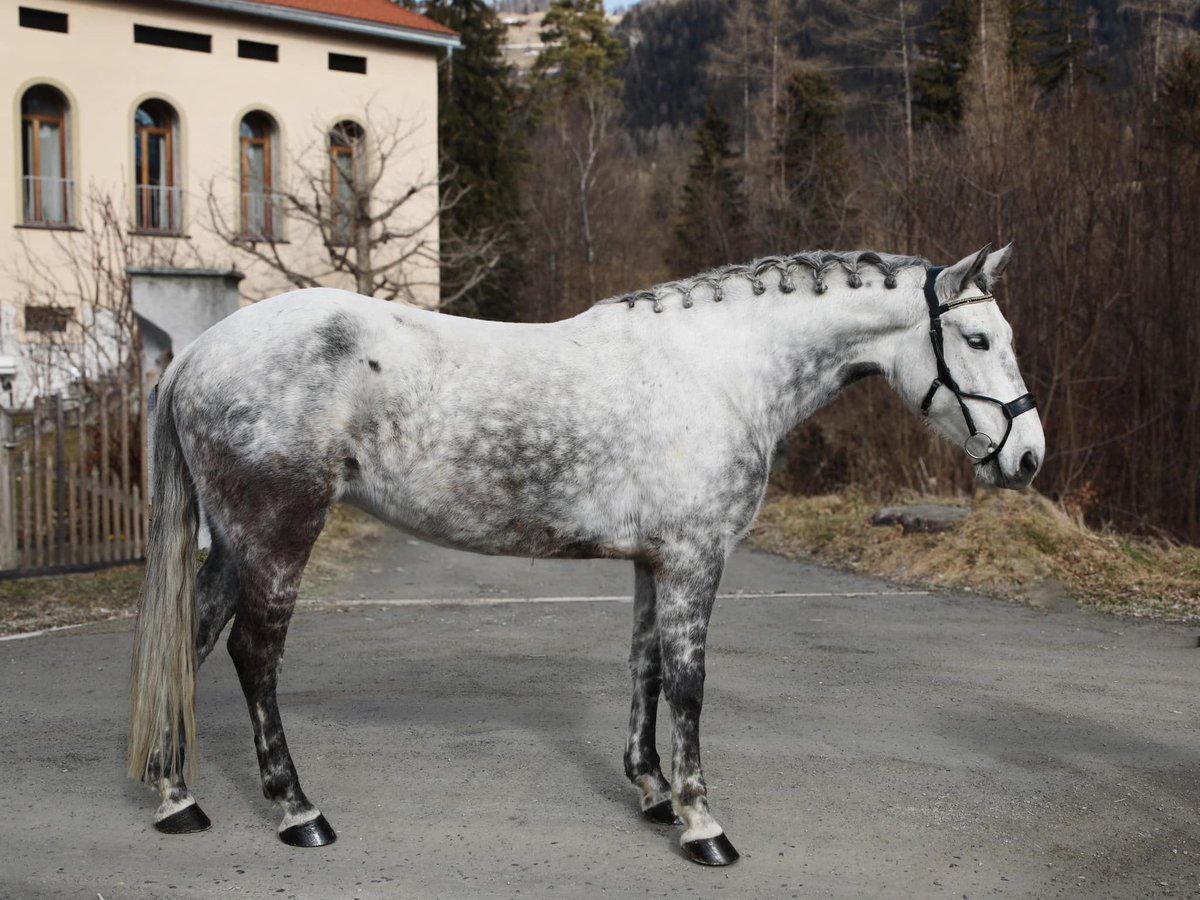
(163,685)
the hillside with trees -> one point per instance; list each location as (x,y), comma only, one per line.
(701,132)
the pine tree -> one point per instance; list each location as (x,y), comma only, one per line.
(939,83)
(579,49)
(1050,40)
(1177,109)
(480,144)
(814,157)
(712,217)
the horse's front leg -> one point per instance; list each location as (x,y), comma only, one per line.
(686,582)
(645,666)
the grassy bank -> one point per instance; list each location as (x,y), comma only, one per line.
(30,604)
(1016,546)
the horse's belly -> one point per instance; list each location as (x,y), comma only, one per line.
(497,523)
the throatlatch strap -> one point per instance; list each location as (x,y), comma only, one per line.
(928,401)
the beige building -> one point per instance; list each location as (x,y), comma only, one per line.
(193,117)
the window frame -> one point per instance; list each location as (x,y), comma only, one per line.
(272,231)
(346,139)
(144,199)
(35,120)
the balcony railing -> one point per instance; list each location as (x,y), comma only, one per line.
(262,216)
(49,200)
(159,208)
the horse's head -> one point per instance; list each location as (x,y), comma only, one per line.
(957,367)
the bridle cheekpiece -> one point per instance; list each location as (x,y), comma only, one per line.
(979,445)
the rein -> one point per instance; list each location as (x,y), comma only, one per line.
(979,445)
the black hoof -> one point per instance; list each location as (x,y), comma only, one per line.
(187,820)
(662,813)
(715,851)
(316,833)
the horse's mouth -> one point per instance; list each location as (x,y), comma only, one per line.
(990,473)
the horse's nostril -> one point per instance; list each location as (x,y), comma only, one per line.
(1029,464)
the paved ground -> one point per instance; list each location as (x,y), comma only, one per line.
(882,745)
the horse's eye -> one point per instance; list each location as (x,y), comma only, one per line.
(977,342)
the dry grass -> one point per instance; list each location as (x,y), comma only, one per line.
(350,536)
(30,604)
(1017,546)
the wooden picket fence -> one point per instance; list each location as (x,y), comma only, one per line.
(72,483)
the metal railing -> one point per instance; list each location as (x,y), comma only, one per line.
(48,200)
(262,216)
(159,208)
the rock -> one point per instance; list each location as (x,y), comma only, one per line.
(929,518)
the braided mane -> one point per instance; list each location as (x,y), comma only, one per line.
(814,264)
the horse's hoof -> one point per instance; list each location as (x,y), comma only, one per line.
(188,820)
(714,851)
(662,813)
(313,833)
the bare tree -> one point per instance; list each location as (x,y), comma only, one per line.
(1168,27)
(76,298)
(355,194)
(584,197)
(584,128)
(757,52)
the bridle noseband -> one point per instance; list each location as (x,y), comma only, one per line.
(979,446)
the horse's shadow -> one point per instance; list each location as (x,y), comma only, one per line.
(453,707)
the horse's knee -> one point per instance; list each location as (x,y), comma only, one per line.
(683,685)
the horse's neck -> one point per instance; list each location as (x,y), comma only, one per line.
(781,357)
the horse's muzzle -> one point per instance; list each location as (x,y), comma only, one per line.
(1027,468)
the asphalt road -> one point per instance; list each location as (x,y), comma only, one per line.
(876,744)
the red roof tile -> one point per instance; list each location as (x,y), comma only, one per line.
(383,12)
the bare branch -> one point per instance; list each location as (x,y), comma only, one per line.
(355,212)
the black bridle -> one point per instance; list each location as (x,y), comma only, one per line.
(979,446)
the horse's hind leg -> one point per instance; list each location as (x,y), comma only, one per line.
(642,764)
(270,580)
(216,599)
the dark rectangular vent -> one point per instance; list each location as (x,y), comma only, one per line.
(340,62)
(169,37)
(255,50)
(47,319)
(41,18)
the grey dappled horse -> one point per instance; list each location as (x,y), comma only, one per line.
(641,429)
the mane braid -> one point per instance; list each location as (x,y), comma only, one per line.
(817,263)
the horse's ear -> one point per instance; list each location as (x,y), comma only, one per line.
(994,267)
(958,277)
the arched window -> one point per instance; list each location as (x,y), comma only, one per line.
(347,190)
(156,165)
(261,214)
(47,189)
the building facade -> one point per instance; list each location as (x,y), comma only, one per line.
(170,132)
